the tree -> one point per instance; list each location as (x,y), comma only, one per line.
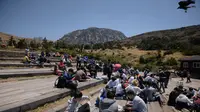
(22,43)
(87,46)
(45,43)
(33,44)
(1,40)
(11,41)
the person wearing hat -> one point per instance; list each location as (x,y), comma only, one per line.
(135,103)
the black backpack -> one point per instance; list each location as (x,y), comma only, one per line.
(60,82)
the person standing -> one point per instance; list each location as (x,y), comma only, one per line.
(162,79)
(167,73)
(188,78)
(109,69)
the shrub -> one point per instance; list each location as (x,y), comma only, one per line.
(142,60)
(168,52)
(171,62)
(129,54)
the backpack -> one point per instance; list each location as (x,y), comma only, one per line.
(60,82)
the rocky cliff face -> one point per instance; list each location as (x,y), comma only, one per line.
(92,35)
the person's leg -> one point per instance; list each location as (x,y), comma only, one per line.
(95,75)
(157,98)
(166,83)
(76,64)
(189,79)
(109,76)
(162,86)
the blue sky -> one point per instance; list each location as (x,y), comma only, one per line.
(54,18)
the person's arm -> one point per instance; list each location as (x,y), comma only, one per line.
(108,84)
(71,106)
(189,101)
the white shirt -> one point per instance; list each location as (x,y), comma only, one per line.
(131,80)
(136,89)
(112,84)
(119,89)
(73,105)
(148,78)
(117,81)
(139,105)
(124,76)
(183,98)
(149,91)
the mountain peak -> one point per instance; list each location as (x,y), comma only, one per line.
(92,35)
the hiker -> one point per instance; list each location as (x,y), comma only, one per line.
(78,61)
(122,75)
(26,59)
(84,69)
(108,104)
(61,65)
(70,83)
(48,54)
(56,71)
(167,73)
(93,69)
(172,97)
(182,101)
(188,78)
(135,103)
(85,59)
(162,79)
(134,87)
(190,93)
(26,51)
(130,80)
(145,73)
(149,94)
(140,80)
(196,104)
(120,90)
(152,81)
(112,83)
(108,69)
(42,60)
(184,74)
(102,95)
(78,103)
(42,54)
(80,75)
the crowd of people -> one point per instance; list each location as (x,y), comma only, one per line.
(34,58)
(123,83)
(182,97)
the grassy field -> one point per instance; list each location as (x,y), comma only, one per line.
(132,55)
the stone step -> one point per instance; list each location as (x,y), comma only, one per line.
(25,72)
(29,94)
